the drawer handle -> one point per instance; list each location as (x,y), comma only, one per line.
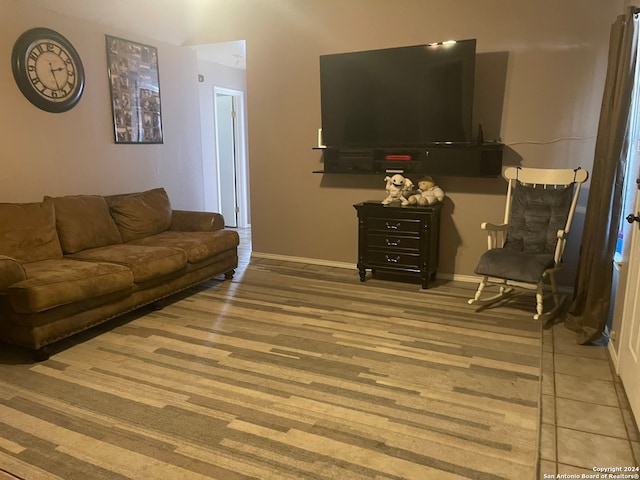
(392,226)
(391,243)
(392,259)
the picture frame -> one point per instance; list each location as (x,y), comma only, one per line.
(134,83)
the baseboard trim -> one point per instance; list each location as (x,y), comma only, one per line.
(351,266)
(311,261)
(455,277)
(613,353)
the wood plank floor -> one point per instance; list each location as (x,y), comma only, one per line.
(289,371)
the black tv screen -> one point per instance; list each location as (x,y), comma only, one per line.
(398,97)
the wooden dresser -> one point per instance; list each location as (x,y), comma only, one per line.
(398,239)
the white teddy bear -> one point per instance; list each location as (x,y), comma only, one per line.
(398,187)
(428,193)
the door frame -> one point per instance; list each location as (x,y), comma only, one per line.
(241,167)
(629,345)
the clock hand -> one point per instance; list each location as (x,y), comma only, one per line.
(53,72)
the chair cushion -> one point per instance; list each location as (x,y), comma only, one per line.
(28,231)
(197,245)
(536,216)
(514,265)
(139,215)
(84,221)
(52,283)
(146,263)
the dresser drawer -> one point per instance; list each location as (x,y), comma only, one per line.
(394,225)
(394,259)
(391,241)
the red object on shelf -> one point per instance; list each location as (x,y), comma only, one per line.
(398,157)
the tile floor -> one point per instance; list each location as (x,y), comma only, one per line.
(586,420)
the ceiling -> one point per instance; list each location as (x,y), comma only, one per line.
(169,21)
(230,54)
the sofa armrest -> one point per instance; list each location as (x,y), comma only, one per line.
(191,221)
(11,272)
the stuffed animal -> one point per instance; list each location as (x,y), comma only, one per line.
(428,193)
(398,187)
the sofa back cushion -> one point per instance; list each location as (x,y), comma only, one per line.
(83,222)
(142,214)
(28,231)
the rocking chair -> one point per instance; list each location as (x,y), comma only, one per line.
(526,250)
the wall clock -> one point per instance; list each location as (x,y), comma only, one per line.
(48,70)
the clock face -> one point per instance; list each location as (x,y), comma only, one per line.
(48,70)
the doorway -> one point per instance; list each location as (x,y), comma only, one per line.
(629,358)
(231,163)
(628,257)
(626,308)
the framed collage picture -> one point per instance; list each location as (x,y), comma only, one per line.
(135,91)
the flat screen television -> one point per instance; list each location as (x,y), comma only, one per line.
(398,97)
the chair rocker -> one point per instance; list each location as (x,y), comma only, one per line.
(526,250)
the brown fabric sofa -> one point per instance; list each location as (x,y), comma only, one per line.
(69,263)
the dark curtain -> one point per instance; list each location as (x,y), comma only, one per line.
(588,313)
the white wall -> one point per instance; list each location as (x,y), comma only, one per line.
(74,152)
(543,68)
(549,57)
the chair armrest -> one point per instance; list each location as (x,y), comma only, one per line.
(492,227)
(561,235)
(191,221)
(496,234)
(11,272)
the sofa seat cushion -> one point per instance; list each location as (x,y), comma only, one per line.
(52,283)
(146,263)
(197,245)
(139,215)
(84,221)
(28,231)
